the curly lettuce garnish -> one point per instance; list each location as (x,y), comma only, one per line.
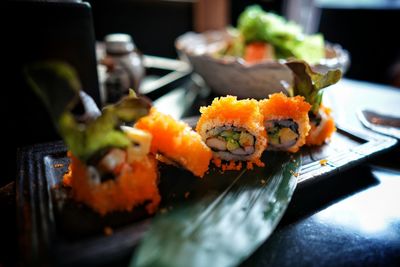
(86,134)
(286,37)
(309,83)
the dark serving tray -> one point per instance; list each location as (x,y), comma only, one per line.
(55,231)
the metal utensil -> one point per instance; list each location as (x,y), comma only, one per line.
(381,123)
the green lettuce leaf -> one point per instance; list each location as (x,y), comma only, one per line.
(309,83)
(287,37)
(58,86)
(310,49)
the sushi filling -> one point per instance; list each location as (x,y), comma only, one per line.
(282,134)
(319,121)
(231,140)
(315,119)
(106,166)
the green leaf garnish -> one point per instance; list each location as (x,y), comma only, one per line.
(308,83)
(225,219)
(287,37)
(58,86)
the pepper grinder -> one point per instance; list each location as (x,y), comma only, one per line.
(125,68)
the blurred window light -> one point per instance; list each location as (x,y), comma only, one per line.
(372,212)
(360,3)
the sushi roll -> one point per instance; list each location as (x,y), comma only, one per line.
(322,127)
(116,178)
(310,84)
(286,121)
(176,142)
(233,129)
(116,181)
(111,168)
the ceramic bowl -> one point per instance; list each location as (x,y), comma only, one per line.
(233,76)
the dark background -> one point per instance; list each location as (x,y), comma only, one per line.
(155,24)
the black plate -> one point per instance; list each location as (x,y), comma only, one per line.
(56,230)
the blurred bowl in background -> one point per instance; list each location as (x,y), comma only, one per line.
(231,75)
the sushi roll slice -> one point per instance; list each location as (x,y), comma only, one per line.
(233,129)
(286,121)
(322,126)
(111,168)
(116,181)
(176,142)
(309,84)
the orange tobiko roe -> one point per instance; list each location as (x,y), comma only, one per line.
(287,107)
(323,132)
(176,141)
(229,109)
(135,185)
(236,166)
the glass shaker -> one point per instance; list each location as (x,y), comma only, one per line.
(125,67)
